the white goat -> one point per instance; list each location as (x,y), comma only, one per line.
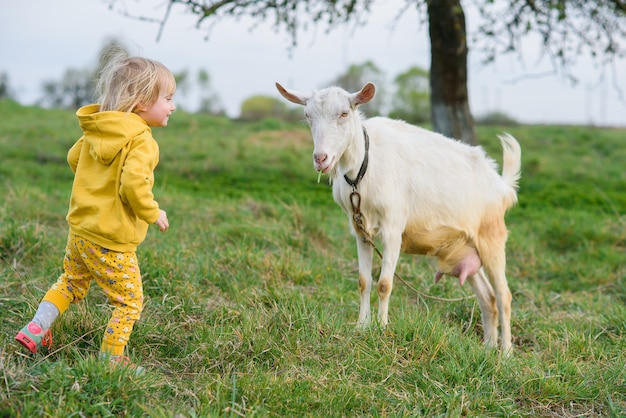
(422,193)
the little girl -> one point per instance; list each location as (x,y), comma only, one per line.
(111,204)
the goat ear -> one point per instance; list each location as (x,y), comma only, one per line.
(292,95)
(364,95)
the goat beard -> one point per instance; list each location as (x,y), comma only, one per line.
(332,174)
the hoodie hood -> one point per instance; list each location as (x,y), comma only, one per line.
(108,132)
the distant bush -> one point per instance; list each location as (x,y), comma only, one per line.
(418,117)
(257,108)
(496,118)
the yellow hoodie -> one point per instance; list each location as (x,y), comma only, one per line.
(113,162)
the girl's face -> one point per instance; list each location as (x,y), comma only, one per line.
(158,113)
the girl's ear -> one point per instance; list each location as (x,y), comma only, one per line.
(140,104)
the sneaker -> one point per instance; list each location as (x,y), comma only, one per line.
(123,361)
(32,337)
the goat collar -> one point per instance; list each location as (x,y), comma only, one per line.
(363,168)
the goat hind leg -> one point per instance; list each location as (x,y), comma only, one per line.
(492,250)
(488,309)
(498,281)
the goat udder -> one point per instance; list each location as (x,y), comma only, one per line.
(468,266)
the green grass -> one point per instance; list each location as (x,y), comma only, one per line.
(251,296)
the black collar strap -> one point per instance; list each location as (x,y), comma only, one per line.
(363,168)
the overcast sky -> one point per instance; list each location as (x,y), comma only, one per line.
(40,40)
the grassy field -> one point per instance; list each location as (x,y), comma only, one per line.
(251,296)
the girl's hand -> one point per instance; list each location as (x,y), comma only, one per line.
(162,222)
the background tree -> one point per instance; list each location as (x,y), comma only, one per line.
(110,48)
(5,89)
(356,76)
(449,101)
(210,101)
(410,102)
(182,84)
(566,29)
(75,89)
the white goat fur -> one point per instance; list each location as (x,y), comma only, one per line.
(422,193)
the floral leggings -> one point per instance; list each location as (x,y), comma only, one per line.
(117,273)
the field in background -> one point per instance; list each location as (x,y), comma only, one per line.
(252,294)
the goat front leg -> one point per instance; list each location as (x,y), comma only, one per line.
(391,253)
(365,281)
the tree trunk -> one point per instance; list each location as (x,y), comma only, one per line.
(450,110)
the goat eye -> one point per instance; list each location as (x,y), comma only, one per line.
(343,115)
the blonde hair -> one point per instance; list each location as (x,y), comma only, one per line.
(128,82)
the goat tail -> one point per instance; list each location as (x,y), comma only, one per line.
(512,160)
